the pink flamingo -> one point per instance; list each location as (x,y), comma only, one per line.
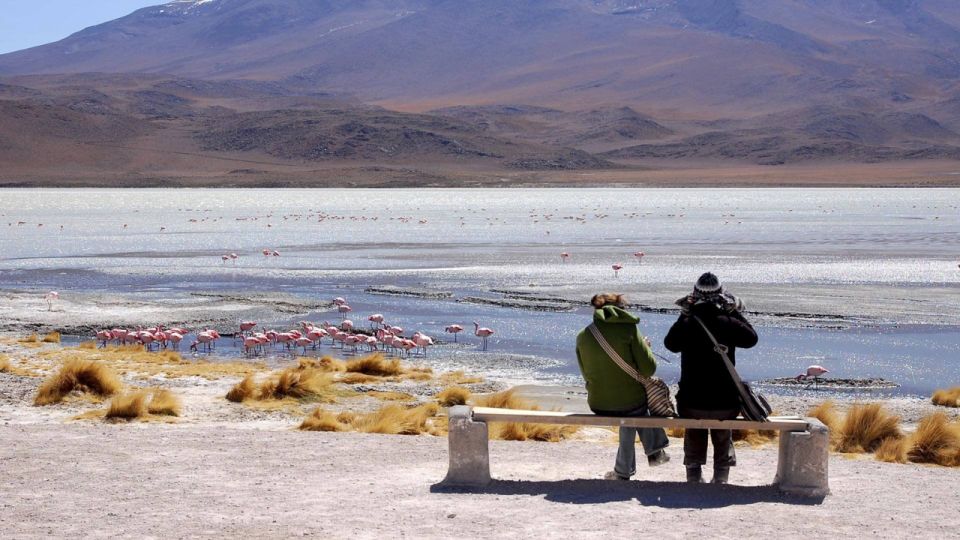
(482,333)
(353,340)
(276,253)
(344,309)
(247,326)
(104,337)
(639,255)
(224,258)
(616,269)
(51,297)
(453,329)
(175,339)
(813,372)
(205,339)
(250,345)
(372,343)
(339,301)
(564,256)
(423,341)
(376,319)
(304,342)
(407,345)
(347,325)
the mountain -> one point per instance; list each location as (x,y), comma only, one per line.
(504,85)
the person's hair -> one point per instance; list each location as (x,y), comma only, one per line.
(603,299)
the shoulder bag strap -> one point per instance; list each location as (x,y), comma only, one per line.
(614,355)
(722,350)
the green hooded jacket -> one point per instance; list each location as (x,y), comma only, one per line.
(609,389)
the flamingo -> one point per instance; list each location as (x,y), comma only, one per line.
(247,326)
(423,341)
(175,339)
(266,252)
(104,337)
(616,269)
(482,333)
(51,297)
(376,319)
(639,255)
(304,342)
(250,344)
(339,301)
(344,309)
(564,256)
(224,258)
(347,325)
(372,343)
(813,372)
(453,329)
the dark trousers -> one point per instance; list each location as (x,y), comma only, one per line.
(695,440)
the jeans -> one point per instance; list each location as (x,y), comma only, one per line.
(652,439)
(695,440)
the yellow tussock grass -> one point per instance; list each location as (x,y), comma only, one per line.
(163,402)
(77,374)
(4,364)
(947,398)
(32,338)
(129,406)
(391,396)
(455,395)
(243,390)
(417,376)
(514,431)
(87,345)
(391,419)
(676,432)
(865,427)
(893,450)
(936,440)
(323,364)
(52,337)
(376,365)
(755,437)
(459,377)
(296,383)
(357,378)
(826,412)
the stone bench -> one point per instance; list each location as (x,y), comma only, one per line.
(801,468)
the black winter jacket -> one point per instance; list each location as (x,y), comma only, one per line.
(704,381)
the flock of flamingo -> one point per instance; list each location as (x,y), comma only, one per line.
(380,336)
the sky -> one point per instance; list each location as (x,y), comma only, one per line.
(27,23)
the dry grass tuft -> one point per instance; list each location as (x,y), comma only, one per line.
(513,431)
(755,437)
(936,440)
(865,427)
(76,374)
(455,395)
(376,365)
(826,412)
(129,406)
(323,364)
(4,364)
(295,383)
(163,402)
(893,450)
(357,378)
(391,396)
(459,377)
(52,337)
(87,345)
(32,338)
(243,390)
(947,398)
(391,419)
(676,432)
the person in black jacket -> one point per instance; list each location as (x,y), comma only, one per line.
(706,389)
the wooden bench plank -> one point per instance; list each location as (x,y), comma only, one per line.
(487,414)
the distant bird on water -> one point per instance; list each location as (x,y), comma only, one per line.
(482,333)
(813,372)
(51,297)
(616,270)
(453,329)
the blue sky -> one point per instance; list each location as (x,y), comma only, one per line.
(27,23)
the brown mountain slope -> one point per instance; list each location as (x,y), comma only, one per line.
(696,58)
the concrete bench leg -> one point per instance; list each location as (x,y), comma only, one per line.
(804,457)
(469,450)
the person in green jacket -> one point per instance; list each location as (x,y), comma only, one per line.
(610,391)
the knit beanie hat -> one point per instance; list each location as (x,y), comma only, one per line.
(708,284)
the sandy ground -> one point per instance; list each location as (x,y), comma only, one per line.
(101,481)
(225,469)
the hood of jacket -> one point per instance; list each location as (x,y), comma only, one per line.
(614,315)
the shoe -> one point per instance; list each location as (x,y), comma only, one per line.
(694,474)
(658,458)
(612,475)
(720,475)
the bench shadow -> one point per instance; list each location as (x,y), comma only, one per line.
(656,494)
